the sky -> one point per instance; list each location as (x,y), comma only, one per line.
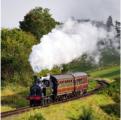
(13,11)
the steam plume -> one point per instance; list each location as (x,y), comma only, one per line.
(65,43)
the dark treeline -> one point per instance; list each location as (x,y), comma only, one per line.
(16,46)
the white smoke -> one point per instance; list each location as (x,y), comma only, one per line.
(65,43)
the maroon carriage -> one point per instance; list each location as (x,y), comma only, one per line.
(72,84)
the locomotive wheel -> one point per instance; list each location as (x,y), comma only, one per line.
(60,98)
(31,103)
(81,92)
(85,91)
(78,93)
(34,103)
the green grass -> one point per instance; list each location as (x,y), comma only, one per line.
(103,104)
(13,96)
(74,109)
(6,108)
(111,72)
(92,84)
(113,90)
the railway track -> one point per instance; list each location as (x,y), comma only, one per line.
(100,86)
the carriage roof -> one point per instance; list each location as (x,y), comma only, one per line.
(70,76)
(66,76)
(77,74)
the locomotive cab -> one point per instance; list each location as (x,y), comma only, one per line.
(47,90)
(50,87)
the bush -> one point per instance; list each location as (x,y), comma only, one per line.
(15,49)
(113,90)
(37,116)
(54,71)
(33,115)
(86,114)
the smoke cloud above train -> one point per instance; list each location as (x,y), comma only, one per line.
(65,43)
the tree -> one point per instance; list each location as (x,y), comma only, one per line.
(109,23)
(109,56)
(38,21)
(117,27)
(83,63)
(15,49)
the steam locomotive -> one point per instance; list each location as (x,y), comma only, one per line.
(58,87)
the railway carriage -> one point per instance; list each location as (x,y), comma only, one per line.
(67,86)
(72,84)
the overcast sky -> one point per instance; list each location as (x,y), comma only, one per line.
(14,11)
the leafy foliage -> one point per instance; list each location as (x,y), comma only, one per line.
(37,116)
(33,115)
(55,70)
(16,47)
(106,72)
(109,56)
(114,92)
(117,27)
(92,84)
(109,23)
(87,115)
(13,96)
(38,21)
(82,63)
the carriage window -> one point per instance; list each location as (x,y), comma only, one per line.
(68,82)
(63,83)
(79,81)
(60,84)
(83,79)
